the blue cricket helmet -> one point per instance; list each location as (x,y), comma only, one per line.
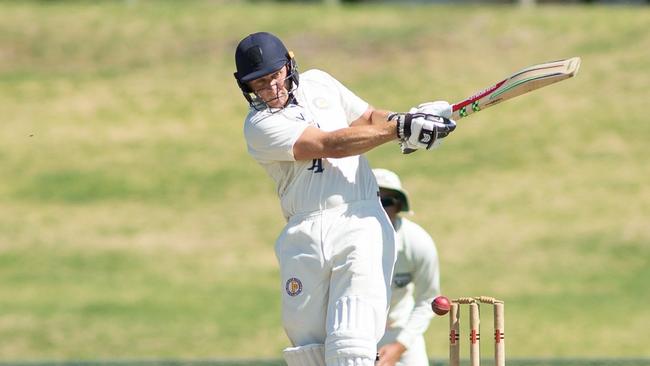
(261,54)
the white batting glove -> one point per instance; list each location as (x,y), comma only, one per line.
(405,146)
(420,130)
(437,108)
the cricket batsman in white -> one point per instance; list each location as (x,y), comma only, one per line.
(416,280)
(337,251)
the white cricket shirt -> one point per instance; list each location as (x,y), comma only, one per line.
(416,281)
(310,185)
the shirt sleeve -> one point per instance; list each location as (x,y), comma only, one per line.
(353,105)
(426,284)
(271,138)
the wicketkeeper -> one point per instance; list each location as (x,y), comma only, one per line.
(416,280)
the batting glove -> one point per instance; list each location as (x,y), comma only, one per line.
(437,108)
(421,130)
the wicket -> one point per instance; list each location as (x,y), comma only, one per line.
(475,335)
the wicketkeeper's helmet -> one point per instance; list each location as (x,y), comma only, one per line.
(386,179)
(261,54)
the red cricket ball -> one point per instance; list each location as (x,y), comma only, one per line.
(441,305)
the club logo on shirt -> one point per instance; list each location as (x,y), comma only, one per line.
(320,102)
(293,286)
(401,279)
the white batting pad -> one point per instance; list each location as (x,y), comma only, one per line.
(309,355)
(353,361)
(353,339)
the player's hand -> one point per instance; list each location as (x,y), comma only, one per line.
(390,354)
(437,108)
(404,145)
(421,130)
(407,148)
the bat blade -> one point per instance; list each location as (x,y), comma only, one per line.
(523,81)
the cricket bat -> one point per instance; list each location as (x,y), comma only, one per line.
(528,79)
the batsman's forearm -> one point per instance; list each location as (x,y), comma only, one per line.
(372,117)
(356,140)
(379,116)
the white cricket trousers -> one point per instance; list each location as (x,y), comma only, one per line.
(336,267)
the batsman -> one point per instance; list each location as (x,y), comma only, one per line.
(337,250)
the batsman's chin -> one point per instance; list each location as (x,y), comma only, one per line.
(278,102)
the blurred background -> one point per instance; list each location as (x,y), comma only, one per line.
(135,228)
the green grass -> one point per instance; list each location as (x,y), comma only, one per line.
(133,224)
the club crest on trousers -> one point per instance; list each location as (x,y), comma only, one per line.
(293,286)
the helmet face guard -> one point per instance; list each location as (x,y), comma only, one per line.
(262,54)
(259,104)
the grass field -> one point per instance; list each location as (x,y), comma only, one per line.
(133,224)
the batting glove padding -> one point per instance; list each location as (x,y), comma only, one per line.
(437,108)
(421,130)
